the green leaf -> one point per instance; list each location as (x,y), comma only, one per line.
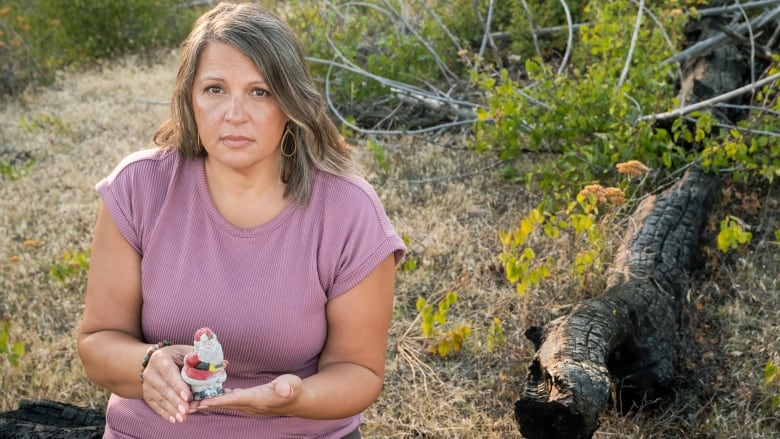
(18,349)
(420,303)
(770,372)
(443,348)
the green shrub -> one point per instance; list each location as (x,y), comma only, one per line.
(73,264)
(587,112)
(12,351)
(441,338)
(772,383)
(37,37)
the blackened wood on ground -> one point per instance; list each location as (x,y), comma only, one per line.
(50,420)
(621,344)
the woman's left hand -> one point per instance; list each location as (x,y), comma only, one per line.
(268,399)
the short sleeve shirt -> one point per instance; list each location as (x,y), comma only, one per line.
(262,290)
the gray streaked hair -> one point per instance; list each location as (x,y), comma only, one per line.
(270,43)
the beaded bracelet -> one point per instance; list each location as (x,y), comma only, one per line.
(152,349)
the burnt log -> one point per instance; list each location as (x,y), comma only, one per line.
(621,344)
(50,419)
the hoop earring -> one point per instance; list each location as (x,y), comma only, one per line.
(288,133)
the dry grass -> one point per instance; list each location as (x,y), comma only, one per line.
(78,130)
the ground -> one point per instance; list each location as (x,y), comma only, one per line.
(448,202)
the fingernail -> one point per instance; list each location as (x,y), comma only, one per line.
(179,417)
(182,409)
(183,395)
(171,420)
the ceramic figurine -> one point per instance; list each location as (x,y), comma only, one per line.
(204,369)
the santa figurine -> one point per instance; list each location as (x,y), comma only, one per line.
(204,369)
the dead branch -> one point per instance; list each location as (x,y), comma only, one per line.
(632,46)
(712,101)
(701,47)
(726,8)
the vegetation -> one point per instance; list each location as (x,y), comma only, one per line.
(40,37)
(508,140)
(11,351)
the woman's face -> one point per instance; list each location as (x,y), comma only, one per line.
(240,124)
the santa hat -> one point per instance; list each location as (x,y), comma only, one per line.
(204,332)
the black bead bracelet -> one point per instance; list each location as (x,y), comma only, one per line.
(152,349)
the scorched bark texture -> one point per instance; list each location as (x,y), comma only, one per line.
(624,340)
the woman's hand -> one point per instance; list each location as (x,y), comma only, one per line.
(163,389)
(268,399)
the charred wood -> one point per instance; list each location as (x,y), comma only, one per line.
(620,345)
(49,420)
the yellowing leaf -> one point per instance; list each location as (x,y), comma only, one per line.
(443,348)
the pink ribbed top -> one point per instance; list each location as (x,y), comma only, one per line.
(262,290)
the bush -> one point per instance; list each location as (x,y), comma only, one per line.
(39,37)
(413,43)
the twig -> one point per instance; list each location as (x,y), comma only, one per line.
(401,87)
(773,39)
(411,356)
(708,44)
(752,43)
(710,102)
(569,40)
(721,10)
(414,362)
(748,108)
(358,129)
(531,28)
(747,130)
(460,108)
(632,46)
(435,103)
(547,31)
(487,36)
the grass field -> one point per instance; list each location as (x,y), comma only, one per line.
(448,202)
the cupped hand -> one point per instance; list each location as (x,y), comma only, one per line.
(163,389)
(269,399)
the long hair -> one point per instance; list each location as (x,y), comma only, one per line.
(273,47)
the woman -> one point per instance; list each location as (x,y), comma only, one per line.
(247,218)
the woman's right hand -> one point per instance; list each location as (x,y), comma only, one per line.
(163,388)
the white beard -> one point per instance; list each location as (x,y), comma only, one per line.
(210,351)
